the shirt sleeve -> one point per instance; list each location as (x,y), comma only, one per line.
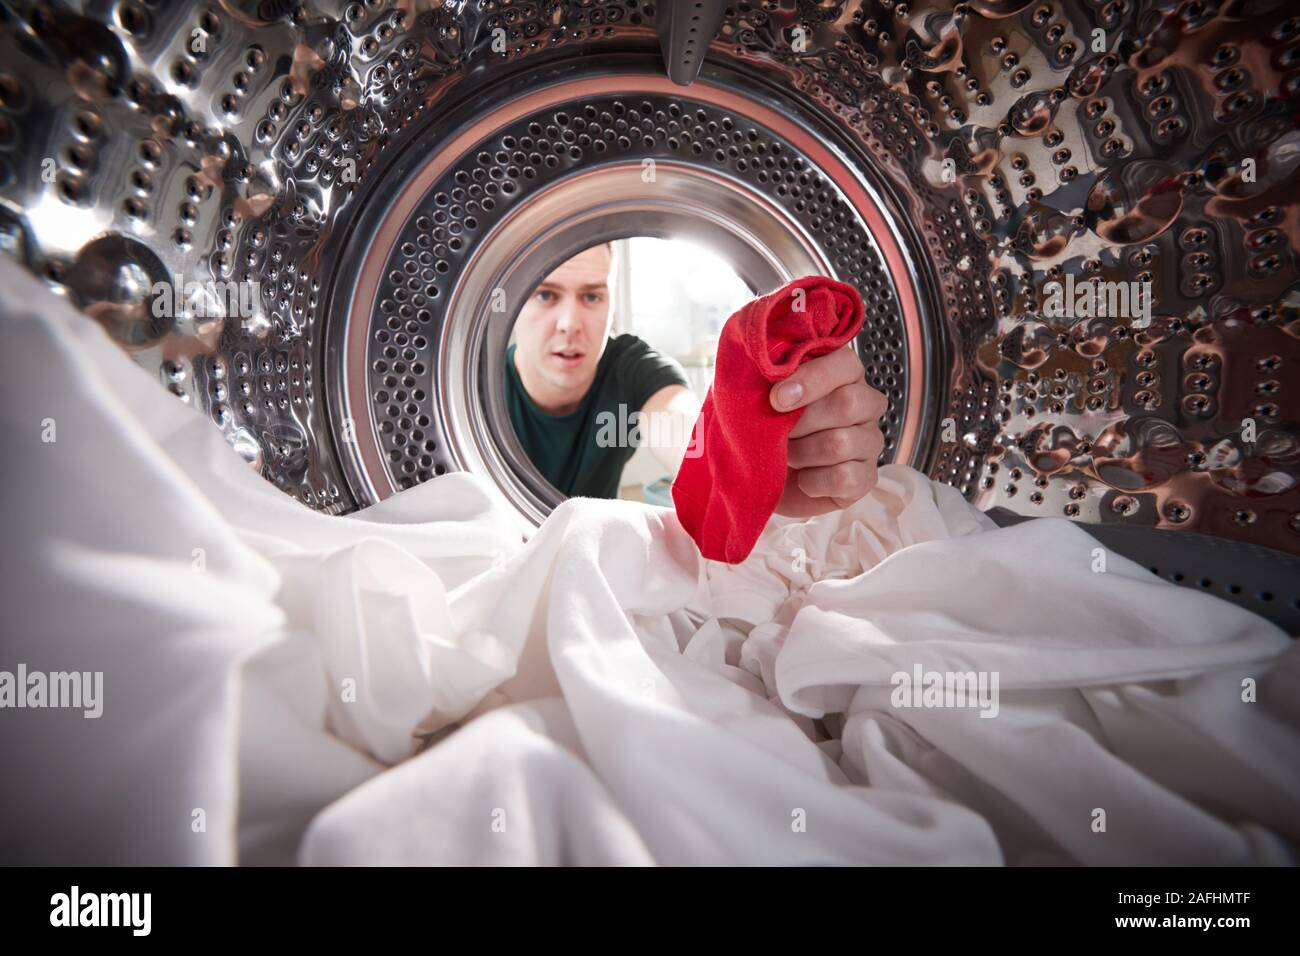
(642,371)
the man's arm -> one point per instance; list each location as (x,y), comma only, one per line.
(667,419)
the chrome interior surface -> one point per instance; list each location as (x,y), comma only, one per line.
(554,177)
(950,160)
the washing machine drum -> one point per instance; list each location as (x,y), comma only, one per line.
(392,179)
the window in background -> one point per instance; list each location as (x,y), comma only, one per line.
(676,296)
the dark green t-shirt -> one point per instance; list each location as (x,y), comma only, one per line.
(564,448)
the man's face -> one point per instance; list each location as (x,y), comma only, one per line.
(561,330)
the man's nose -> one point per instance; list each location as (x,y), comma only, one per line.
(567,320)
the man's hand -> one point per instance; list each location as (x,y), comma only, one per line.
(833,448)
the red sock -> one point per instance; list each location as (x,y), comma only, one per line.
(726,494)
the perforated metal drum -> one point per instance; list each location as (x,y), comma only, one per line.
(380,169)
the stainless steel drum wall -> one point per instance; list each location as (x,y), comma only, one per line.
(1003,144)
(563,160)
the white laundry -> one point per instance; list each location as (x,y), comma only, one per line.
(414,684)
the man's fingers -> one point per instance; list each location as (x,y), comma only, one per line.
(849,480)
(816,379)
(847,405)
(834,445)
(833,448)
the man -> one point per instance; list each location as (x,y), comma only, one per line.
(565,377)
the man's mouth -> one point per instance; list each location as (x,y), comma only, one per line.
(569,357)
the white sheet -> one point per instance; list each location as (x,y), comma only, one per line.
(599,695)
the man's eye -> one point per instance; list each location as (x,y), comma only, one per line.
(595,297)
(543,294)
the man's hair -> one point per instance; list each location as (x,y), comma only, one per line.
(610,246)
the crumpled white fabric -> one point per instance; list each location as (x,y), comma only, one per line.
(224,615)
(414,684)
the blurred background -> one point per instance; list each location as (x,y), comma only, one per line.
(676,296)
